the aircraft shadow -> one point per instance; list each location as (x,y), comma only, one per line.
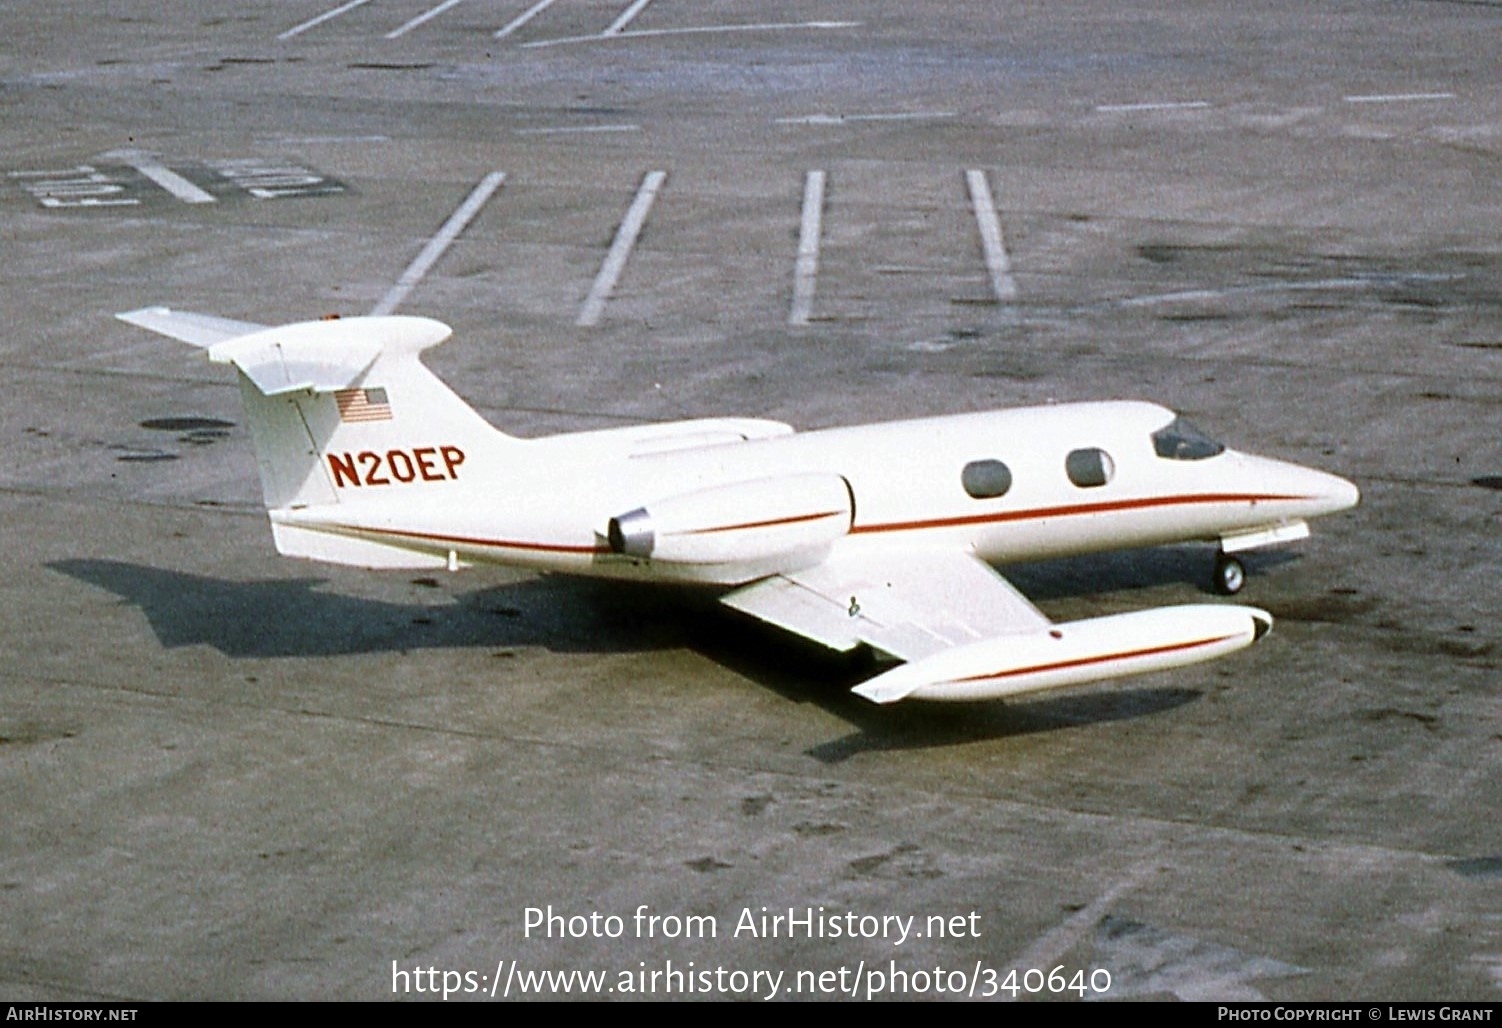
(1131,569)
(805,673)
(919,725)
(296,618)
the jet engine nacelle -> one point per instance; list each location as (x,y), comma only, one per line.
(745,530)
(1073,653)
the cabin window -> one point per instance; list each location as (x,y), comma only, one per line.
(1179,440)
(986,479)
(1089,468)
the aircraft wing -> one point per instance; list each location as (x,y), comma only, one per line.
(967,634)
(908,606)
(198,329)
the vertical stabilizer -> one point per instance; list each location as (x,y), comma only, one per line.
(343,411)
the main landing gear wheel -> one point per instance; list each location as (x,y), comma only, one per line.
(1230,575)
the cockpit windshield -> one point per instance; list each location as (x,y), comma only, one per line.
(1179,440)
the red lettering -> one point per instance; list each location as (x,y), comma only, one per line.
(372,463)
(424,455)
(343,469)
(452,458)
(400,465)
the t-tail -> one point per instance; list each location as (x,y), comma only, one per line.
(342,411)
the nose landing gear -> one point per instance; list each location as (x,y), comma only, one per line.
(1230,575)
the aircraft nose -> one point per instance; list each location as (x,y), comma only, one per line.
(1336,493)
(1311,492)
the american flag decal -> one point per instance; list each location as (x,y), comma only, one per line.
(362,404)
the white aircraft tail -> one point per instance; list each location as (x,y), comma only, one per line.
(343,411)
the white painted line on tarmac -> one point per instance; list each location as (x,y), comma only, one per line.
(316,140)
(456,223)
(422,18)
(806,270)
(1398,98)
(523,18)
(620,249)
(1148,961)
(80,186)
(988,222)
(627,17)
(298,30)
(1051,947)
(1167,105)
(163,176)
(567,129)
(1185,296)
(700,30)
(840,119)
(1314,286)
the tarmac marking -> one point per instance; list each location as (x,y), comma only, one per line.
(699,30)
(163,176)
(563,129)
(124,181)
(422,19)
(1145,960)
(298,30)
(316,140)
(81,186)
(806,269)
(1491,965)
(523,18)
(626,18)
(1312,286)
(456,223)
(993,247)
(1050,949)
(274,180)
(1395,98)
(620,249)
(840,119)
(1167,105)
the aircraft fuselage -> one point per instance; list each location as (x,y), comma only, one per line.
(1014,485)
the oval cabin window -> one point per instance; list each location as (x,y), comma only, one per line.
(1089,468)
(986,479)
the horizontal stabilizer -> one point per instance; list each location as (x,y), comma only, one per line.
(325,355)
(198,329)
(278,365)
(310,355)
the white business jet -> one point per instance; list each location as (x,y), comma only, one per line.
(877,535)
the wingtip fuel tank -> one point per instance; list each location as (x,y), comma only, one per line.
(1073,653)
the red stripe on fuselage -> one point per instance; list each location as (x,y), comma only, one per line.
(461,540)
(1072,510)
(995,518)
(1151,651)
